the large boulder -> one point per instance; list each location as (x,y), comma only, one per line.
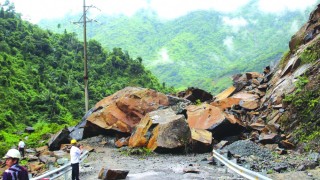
(142,132)
(201,140)
(61,137)
(77,132)
(211,118)
(123,110)
(106,174)
(178,105)
(170,136)
(204,116)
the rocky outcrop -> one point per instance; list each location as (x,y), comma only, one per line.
(307,32)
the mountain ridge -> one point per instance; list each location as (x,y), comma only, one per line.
(197,43)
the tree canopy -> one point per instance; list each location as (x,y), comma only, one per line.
(41,77)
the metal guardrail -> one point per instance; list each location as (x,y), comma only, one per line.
(60,171)
(233,166)
(238,169)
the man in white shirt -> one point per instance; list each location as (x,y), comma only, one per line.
(75,153)
(21,146)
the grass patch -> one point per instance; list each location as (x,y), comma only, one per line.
(10,137)
(305,105)
(285,58)
(311,53)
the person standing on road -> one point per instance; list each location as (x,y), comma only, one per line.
(14,171)
(21,147)
(75,153)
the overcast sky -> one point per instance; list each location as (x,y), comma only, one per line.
(35,10)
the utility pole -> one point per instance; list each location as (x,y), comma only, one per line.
(85,76)
(84,20)
(85,61)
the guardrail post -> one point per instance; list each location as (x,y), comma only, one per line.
(30,175)
(226,156)
(66,173)
(51,166)
(247,166)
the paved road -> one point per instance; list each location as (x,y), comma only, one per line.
(154,167)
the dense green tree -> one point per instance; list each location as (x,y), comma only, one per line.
(41,78)
(2,12)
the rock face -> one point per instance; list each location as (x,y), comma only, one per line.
(123,110)
(307,32)
(178,105)
(77,132)
(59,138)
(226,103)
(162,130)
(208,117)
(204,116)
(142,132)
(200,140)
(171,135)
(226,93)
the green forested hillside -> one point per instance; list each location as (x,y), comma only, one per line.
(203,48)
(41,78)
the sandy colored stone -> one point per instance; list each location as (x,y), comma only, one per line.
(201,135)
(168,136)
(204,116)
(249,104)
(257,126)
(245,96)
(226,93)
(226,103)
(123,110)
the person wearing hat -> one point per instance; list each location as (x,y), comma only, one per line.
(75,153)
(14,171)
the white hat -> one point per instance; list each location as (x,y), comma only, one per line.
(12,153)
